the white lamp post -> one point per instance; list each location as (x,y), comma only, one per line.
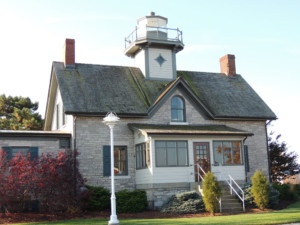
(110,120)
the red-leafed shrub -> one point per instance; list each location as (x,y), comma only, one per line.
(52,179)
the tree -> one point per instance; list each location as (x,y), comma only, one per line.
(260,189)
(211,192)
(283,164)
(19,113)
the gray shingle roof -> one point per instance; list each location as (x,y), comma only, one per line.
(97,89)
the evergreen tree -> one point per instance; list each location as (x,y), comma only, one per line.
(211,192)
(19,113)
(260,189)
(283,163)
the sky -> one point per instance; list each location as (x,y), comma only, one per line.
(264,36)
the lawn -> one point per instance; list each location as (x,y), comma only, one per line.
(288,215)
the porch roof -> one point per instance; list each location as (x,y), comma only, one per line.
(206,129)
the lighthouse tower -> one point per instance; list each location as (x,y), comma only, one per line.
(154,46)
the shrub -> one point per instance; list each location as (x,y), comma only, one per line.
(249,200)
(297,189)
(131,201)
(260,189)
(98,198)
(184,203)
(53,179)
(287,192)
(211,193)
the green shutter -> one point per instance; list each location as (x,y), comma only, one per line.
(106,160)
(8,152)
(246,158)
(34,153)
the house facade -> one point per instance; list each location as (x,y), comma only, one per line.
(170,120)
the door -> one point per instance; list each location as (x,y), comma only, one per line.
(201,156)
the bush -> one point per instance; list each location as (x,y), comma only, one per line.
(53,179)
(260,189)
(184,203)
(297,189)
(131,201)
(287,192)
(249,200)
(98,198)
(211,193)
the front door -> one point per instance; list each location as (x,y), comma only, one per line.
(201,156)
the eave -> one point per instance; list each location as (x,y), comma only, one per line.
(165,129)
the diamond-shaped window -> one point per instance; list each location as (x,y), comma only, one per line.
(160,59)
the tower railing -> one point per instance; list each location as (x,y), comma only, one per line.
(150,32)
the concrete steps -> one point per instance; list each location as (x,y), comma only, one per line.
(230,204)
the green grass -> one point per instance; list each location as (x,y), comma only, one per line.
(288,215)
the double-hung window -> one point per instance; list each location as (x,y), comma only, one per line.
(171,153)
(228,152)
(120,160)
(177,109)
(12,151)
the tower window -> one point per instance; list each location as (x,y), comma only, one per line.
(177,109)
(160,59)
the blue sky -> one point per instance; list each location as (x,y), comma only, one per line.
(263,35)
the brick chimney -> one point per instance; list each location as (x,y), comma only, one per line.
(227,63)
(69,54)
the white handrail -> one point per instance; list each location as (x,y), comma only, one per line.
(242,198)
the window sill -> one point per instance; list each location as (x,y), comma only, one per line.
(120,177)
(179,123)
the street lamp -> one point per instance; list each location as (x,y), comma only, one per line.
(110,120)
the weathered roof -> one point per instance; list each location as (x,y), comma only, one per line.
(188,129)
(98,89)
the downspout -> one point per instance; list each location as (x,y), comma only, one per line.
(268,153)
(244,157)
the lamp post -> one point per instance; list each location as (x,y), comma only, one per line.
(110,120)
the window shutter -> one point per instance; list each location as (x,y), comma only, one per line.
(34,153)
(246,158)
(8,152)
(106,160)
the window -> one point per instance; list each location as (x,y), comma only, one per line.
(142,155)
(177,109)
(140,151)
(63,116)
(13,151)
(60,116)
(120,160)
(57,117)
(227,152)
(171,153)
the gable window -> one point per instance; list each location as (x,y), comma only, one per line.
(120,160)
(13,151)
(177,109)
(227,153)
(171,153)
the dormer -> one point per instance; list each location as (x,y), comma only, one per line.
(153,46)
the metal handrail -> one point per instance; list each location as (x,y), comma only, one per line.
(133,36)
(242,198)
(199,176)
